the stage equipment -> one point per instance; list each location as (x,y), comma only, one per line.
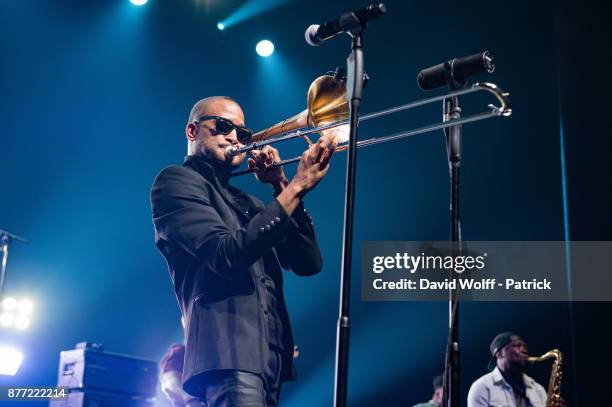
(10,360)
(353,24)
(456,71)
(347,22)
(90,374)
(554,385)
(329,112)
(15,314)
(6,239)
(264,48)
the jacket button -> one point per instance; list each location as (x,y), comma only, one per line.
(261,230)
(277,219)
(272,222)
(268,227)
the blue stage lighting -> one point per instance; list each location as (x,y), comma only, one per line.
(7,319)
(139,2)
(220,26)
(21,322)
(25,306)
(10,360)
(9,304)
(264,48)
(251,9)
(15,314)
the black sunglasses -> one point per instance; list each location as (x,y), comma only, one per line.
(225,127)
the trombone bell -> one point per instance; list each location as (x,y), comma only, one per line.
(327,101)
(326,104)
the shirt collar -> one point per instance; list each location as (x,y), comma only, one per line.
(497,376)
(499,379)
(208,169)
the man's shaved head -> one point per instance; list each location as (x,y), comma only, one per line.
(201,106)
(202,137)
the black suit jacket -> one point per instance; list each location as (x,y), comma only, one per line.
(215,252)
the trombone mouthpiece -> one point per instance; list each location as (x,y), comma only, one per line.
(230,152)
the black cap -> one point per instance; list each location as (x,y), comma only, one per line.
(499,342)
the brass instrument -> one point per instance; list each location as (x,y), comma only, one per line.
(328,111)
(326,104)
(554,386)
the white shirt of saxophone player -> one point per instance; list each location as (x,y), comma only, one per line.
(491,390)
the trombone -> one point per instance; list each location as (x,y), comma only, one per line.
(328,110)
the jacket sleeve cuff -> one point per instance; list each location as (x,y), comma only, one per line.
(302,219)
(271,224)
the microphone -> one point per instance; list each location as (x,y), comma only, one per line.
(316,34)
(456,71)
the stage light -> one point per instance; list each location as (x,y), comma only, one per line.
(139,2)
(220,26)
(6,319)
(250,9)
(16,313)
(264,48)
(10,360)
(9,304)
(22,322)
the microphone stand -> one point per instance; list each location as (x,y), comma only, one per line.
(451,382)
(355,85)
(6,239)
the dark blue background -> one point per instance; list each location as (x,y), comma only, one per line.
(94,100)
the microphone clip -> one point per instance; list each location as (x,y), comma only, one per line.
(340,74)
(449,74)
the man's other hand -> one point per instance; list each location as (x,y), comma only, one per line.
(261,161)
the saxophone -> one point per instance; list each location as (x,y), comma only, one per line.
(554,386)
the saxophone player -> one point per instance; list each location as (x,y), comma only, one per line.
(506,384)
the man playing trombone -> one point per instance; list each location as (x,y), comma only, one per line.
(225,251)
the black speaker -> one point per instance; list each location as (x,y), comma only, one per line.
(89,368)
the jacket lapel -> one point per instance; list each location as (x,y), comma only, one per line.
(205,169)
